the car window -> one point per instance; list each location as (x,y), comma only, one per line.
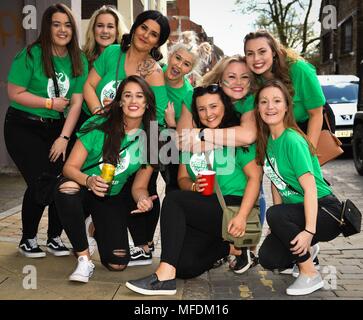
(345,92)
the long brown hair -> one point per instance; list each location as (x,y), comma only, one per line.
(114,124)
(283,57)
(45,41)
(263,131)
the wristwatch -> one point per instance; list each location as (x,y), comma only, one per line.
(65,137)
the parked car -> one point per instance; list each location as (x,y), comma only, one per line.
(341,92)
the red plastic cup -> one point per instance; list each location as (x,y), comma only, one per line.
(209,176)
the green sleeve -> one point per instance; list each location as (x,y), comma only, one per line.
(162,99)
(298,154)
(245,105)
(101,63)
(246,155)
(307,85)
(188,100)
(83,77)
(21,69)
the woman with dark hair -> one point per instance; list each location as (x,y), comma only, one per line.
(45,85)
(137,55)
(191,223)
(111,138)
(300,195)
(268,59)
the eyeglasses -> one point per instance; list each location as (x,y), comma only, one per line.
(212,88)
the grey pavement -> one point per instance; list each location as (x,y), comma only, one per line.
(341,260)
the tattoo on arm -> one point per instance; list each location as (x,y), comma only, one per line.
(145,68)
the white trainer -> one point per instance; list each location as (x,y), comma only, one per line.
(305,285)
(83,271)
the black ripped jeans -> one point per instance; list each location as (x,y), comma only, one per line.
(109,215)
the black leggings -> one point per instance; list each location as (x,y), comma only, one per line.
(142,225)
(286,221)
(28,143)
(191,226)
(109,215)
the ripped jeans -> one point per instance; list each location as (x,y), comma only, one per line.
(109,215)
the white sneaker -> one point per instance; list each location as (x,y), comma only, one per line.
(92,243)
(314,250)
(305,285)
(83,271)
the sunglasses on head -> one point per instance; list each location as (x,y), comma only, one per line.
(212,88)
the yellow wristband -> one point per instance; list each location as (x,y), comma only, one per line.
(48,104)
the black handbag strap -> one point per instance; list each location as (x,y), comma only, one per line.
(287,184)
(100,162)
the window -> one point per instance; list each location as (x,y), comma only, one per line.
(347,36)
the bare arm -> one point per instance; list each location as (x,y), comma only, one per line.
(22,96)
(237,226)
(184,180)
(314,125)
(185,120)
(72,170)
(139,190)
(89,90)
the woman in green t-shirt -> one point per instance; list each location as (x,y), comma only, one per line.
(137,54)
(44,84)
(297,220)
(268,59)
(106,26)
(112,139)
(191,222)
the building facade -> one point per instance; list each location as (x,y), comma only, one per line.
(341,45)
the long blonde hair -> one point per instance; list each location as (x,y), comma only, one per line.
(91,48)
(263,131)
(283,58)
(216,74)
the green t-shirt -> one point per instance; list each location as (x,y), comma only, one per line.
(291,158)
(227,162)
(28,72)
(307,89)
(131,158)
(180,96)
(244,105)
(105,66)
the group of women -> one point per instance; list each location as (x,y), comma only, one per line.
(75,111)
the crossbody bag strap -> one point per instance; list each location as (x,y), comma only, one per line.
(220,197)
(100,162)
(118,65)
(288,185)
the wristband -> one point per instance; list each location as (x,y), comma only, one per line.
(87,186)
(313,234)
(49,104)
(65,137)
(194,187)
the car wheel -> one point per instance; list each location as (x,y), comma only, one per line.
(357,144)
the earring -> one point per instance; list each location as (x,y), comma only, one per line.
(146,106)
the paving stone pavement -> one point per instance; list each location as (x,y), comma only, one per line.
(341,260)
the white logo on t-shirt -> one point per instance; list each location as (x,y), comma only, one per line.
(109,91)
(63,85)
(199,163)
(275,179)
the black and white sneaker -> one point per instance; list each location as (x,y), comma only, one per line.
(57,247)
(139,257)
(30,249)
(244,261)
(151,285)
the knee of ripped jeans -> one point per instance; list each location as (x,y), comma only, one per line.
(69,187)
(119,260)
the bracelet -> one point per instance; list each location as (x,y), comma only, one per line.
(313,234)
(65,137)
(194,187)
(49,104)
(87,186)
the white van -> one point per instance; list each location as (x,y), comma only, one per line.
(341,92)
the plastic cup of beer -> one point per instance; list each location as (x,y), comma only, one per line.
(108,171)
(209,176)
